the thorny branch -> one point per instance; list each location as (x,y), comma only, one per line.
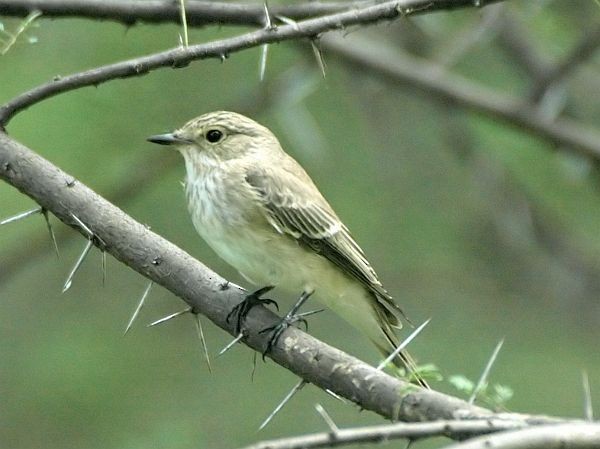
(180,57)
(579,435)
(165,264)
(198,12)
(208,293)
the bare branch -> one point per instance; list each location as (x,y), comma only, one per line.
(377,434)
(561,436)
(198,13)
(582,51)
(436,81)
(515,40)
(180,57)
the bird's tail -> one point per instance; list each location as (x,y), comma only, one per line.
(403,359)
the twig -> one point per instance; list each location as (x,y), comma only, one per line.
(180,57)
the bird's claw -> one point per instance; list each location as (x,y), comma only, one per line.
(278,329)
(253,299)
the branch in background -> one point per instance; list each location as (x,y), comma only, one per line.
(159,11)
(432,79)
(180,57)
(580,53)
(387,432)
(561,436)
(515,40)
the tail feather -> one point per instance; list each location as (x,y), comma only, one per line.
(403,359)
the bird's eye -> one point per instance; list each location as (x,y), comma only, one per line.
(214,135)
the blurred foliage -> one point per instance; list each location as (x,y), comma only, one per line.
(441,200)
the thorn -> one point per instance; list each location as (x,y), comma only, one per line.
(183,23)
(231,344)
(103,268)
(51,231)
(309,313)
(587,397)
(138,308)
(81,224)
(336,396)
(170,317)
(332,427)
(285,400)
(289,21)
(200,332)
(268,21)
(263,61)
(402,345)
(69,281)
(22,215)
(318,56)
(486,372)
(254,355)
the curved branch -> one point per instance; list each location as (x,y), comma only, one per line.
(561,436)
(208,293)
(198,13)
(434,80)
(375,434)
(180,57)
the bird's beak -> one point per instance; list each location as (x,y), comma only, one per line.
(167,139)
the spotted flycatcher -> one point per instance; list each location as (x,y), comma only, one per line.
(260,211)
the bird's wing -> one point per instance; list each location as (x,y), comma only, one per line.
(294,206)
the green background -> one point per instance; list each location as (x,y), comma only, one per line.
(491,232)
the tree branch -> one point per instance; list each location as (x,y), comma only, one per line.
(375,434)
(580,53)
(182,56)
(434,80)
(208,293)
(561,436)
(198,13)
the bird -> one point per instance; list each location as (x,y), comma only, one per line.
(259,210)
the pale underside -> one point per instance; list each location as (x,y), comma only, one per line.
(267,225)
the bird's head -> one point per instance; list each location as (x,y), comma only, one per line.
(219,136)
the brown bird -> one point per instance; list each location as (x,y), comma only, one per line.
(260,211)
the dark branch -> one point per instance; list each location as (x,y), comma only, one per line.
(434,80)
(180,57)
(582,51)
(198,13)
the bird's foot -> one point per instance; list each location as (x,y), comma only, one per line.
(240,311)
(290,318)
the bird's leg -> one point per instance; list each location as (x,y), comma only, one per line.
(253,299)
(290,318)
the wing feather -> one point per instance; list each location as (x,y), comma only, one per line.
(295,207)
